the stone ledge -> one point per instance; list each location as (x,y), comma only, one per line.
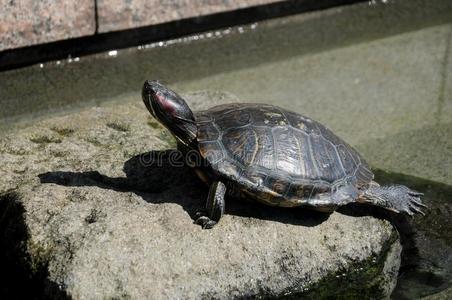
(124,14)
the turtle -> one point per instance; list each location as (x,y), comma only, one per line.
(272,155)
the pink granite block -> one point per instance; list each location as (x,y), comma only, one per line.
(30,22)
(125,14)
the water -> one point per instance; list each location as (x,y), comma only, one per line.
(427,241)
(381,78)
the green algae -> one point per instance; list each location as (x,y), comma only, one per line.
(118,126)
(94,141)
(363,280)
(164,135)
(153,123)
(45,139)
(168,138)
(63,131)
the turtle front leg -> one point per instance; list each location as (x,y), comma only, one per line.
(214,206)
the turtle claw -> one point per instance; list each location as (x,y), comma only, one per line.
(417,210)
(418,202)
(415,193)
(199,214)
(204,221)
(409,202)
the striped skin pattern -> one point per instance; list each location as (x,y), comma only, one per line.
(276,156)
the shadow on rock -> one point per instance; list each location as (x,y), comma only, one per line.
(157,179)
(20,277)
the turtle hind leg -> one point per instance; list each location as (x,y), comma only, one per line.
(214,206)
(397,198)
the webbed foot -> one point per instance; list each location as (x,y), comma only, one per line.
(397,198)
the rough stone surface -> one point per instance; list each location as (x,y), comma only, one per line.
(29,22)
(124,14)
(86,212)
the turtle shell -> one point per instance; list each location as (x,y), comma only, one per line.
(276,156)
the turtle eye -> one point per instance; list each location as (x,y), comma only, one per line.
(158,96)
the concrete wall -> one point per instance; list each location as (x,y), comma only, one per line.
(31,22)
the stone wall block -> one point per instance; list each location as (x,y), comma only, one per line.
(30,22)
(125,14)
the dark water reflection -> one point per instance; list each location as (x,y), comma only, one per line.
(427,241)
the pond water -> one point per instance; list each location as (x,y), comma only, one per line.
(378,74)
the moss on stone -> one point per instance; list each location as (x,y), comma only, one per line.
(166,137)
(39,257)
(119,126)
(59,154)
(45,139)
(153,123)
(93,141)
(363,280)
(19,152)
(63,131)
(163,135)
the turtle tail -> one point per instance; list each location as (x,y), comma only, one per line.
(396,198)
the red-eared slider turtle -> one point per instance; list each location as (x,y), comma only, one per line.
(269,154)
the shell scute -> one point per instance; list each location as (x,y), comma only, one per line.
(265,149)
(212,152)
(267,116)
(207,133)
(288,157)
(349,163)
(241,144)
(233,119)
(325,158)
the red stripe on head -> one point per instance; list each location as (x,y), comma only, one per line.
(167,106)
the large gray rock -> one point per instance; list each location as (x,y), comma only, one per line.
(87,215)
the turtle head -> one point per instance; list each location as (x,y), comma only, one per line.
(170,110)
